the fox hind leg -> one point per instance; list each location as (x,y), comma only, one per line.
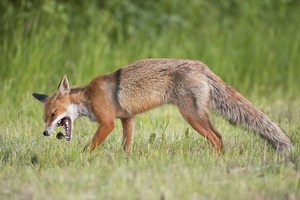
(199,120)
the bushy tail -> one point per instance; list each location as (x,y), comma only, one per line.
(227,102)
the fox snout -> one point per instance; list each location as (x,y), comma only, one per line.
(46,133)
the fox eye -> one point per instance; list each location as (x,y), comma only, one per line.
(53,114)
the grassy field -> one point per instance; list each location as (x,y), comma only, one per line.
(253,46)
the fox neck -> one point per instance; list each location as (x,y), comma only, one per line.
(79,104)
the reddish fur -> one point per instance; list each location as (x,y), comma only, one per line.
(128,132)
(55,104)
(150,83)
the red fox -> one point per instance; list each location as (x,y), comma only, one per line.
(145,84)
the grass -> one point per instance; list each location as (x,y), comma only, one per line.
(169,161)
(252,46)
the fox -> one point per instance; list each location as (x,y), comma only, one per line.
(143,85)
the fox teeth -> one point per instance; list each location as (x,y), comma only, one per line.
(58,123)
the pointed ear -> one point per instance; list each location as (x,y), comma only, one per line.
(41,97)
(63,87)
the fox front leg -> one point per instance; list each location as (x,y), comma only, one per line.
(101,134)
(128,133)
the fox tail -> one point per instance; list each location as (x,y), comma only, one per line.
(229,103)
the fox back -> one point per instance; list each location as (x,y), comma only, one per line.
(150,83)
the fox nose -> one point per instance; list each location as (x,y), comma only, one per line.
(45,133)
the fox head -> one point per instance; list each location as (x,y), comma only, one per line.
(59,110)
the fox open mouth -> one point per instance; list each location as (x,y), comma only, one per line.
(66,123)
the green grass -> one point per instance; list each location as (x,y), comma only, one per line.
(169,161)
(253,46)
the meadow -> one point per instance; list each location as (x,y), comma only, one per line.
(252,45)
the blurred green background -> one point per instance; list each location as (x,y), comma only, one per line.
(252,45)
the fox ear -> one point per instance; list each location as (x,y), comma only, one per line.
(41,97)
(64,87)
